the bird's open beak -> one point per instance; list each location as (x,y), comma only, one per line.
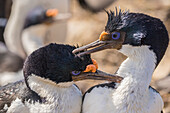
(98,75)
(105,41)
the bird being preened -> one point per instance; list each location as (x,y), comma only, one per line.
(48,85)
(144,40)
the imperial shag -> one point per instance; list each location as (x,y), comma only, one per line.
(144,40)
(48,85)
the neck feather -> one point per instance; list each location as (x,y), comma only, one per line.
(47,88)
(133,92)
(139,65)
(59,97)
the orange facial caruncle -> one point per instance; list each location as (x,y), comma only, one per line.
(92,67)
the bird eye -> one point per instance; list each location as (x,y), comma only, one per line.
(115,35)
(76,72)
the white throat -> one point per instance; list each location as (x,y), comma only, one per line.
(47,88)
(133,92)
(60,98)
(139,65)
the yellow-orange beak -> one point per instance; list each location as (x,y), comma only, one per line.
(51,12)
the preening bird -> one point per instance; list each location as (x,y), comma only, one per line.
(48,85)
(144,40)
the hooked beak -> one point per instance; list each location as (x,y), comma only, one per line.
(99,75)
(105,41)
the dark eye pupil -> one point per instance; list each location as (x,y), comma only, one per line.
(115,35)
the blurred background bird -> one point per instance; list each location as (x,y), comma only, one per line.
(11,63)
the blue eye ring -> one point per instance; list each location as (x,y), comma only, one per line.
(74,72)
(115,35)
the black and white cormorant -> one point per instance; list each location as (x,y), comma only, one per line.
(144,40)
(48,83)
(48,86)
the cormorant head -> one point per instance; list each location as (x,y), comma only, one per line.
(131,32)
(54,62)
(40,15)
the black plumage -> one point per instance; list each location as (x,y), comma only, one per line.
(115,20)
(55,62)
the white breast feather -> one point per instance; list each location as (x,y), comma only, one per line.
(61,98)
(132,94)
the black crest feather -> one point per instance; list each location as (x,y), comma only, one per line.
(115,19)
